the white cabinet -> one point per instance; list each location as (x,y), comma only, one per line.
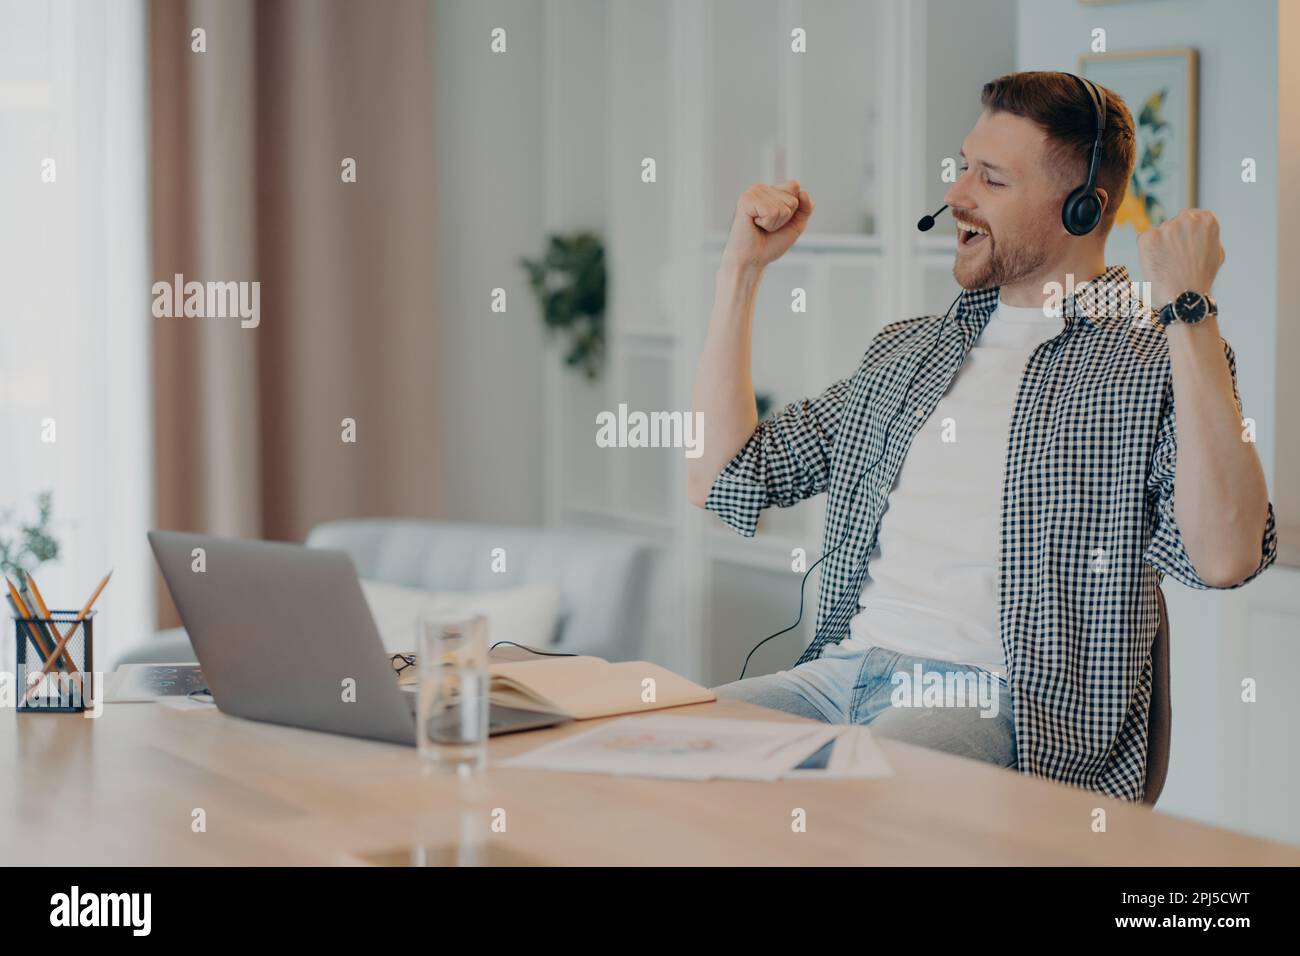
(1257,747)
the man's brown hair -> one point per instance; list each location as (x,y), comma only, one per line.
(1058,104)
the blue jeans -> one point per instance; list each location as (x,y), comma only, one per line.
(965,711)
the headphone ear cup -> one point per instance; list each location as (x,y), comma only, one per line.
(1081,212)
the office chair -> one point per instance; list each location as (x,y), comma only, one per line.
(1160,717)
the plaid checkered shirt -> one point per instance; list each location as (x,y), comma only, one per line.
(1087,513)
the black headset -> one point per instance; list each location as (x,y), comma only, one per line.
(1082,209)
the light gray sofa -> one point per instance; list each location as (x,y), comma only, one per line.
(602,576)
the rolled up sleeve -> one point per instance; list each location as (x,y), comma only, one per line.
(1166,552)
(786,459)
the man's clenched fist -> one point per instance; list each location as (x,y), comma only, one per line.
(768,221)
(1181,254)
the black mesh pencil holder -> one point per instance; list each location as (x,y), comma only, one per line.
(67,685)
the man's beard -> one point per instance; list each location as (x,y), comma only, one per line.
(999,267)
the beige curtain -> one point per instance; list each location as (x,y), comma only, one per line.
(248,141)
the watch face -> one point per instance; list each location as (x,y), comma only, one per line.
(1191,307)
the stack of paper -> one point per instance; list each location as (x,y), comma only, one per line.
(701,748)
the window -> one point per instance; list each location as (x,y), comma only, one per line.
(74,364)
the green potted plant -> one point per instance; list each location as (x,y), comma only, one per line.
(25,547)
(569,283)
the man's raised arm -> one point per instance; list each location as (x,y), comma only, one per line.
(768,220)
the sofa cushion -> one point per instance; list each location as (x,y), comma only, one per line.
(526,615)
(602,575)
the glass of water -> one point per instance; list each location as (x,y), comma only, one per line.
(452,698)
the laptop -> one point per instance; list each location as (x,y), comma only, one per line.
(277,628)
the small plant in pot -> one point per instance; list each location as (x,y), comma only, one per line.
(24,547)
(569,283)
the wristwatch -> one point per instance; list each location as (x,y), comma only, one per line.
(1189,307)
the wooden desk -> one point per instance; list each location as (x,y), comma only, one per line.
(121,789)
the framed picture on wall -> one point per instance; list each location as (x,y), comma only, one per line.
(1160,89)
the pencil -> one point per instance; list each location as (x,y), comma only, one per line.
(45,613)
(43,645)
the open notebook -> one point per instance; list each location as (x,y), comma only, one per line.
(584,687)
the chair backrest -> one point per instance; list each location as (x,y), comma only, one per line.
(602,575)
(1161,716)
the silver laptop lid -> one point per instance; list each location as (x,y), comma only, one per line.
(283,634)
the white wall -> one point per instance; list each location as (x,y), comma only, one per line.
(488,114)
(1286,494)
(1238,118)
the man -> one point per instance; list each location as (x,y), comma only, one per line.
(1001,481)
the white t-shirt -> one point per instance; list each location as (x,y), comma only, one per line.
(932,586)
